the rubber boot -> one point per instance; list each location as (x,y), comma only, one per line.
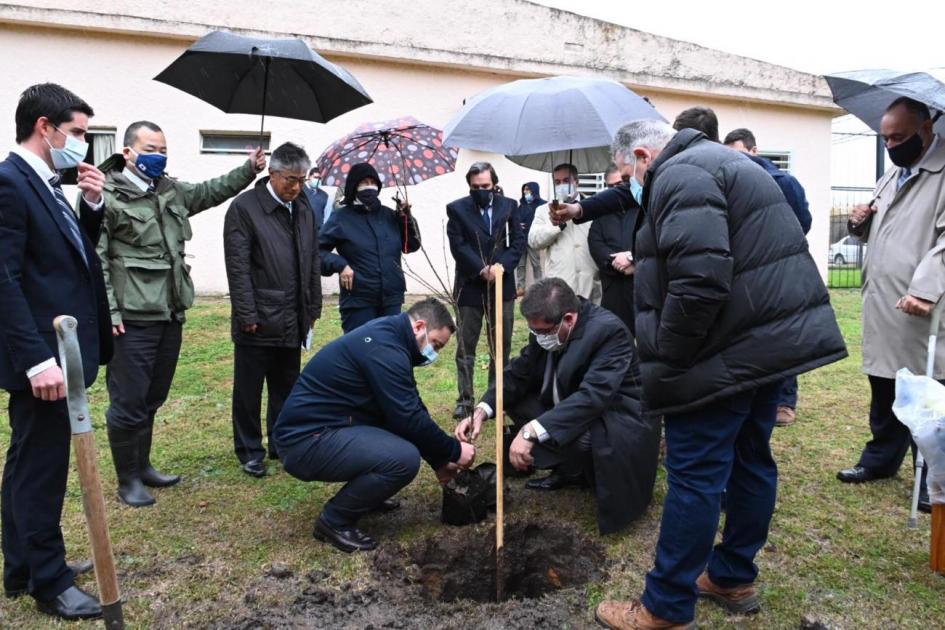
(149,475)
(124,445)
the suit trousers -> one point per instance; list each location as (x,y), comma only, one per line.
(34,487)
(253,365)
(469,328)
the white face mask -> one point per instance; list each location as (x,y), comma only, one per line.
(549,341)
(69,156)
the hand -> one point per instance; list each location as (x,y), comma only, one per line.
(860,213)
(564,212)
(520,453)
(630,269)
(257,159)
(250,329)
(918,307)
(49,385)
(488,274)
(403,206)
(467,455)
(468,430)
(347,277)
(91,182)
(445,473)
(118,330)
(618,261)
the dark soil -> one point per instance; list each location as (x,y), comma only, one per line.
(447,581)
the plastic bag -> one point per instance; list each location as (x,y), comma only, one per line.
(468,498)
(920,405)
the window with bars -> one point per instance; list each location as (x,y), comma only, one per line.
(781,159)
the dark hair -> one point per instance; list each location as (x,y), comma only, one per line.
(916,108)
(612,168)
(572,169)
(50,100)
(745,136)
(482,167)
(701,119)
(549,299)
(434,313)
(131,133)
(313,170)
(289,156)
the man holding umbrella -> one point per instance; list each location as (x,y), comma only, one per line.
(904,276)
(146,226)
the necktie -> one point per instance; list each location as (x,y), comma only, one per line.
(904,176)
(69,215)
(488,219)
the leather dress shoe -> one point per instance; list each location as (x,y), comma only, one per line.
(13,591)
(556,481)
(80,567)
(255,468)
(462,411)
(388,505)
(858,474)
(72,603)
(345,539)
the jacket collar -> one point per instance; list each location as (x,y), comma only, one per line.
(583,315)
(934,159)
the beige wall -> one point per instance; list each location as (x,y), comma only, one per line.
(113,73)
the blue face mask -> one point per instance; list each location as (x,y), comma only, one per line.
(70,155)
(528,197)
(429,354)
(636,188)
(150,164)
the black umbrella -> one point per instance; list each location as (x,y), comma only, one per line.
(279,77)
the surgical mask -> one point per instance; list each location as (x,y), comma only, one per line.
(313,183)
(483,198)
(429,354)
(70,155)
(564,192)
(549,341)
(368,196)
(636,188)
(906,153)
(528,198)
(150,164)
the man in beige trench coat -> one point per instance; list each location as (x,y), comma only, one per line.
(903,277)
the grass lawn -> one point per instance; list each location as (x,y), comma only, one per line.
(836,553)
(845,277)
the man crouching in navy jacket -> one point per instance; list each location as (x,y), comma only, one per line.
(355,415)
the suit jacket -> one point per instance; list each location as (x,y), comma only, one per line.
(598,381)
(317,199)
(45,276)
(473,247)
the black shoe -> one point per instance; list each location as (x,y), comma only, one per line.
(13,591)
(347,540)
(556,481)
(387,505)
(149,475)
(462,411)
(924,504)
(125,454)
(72,603)
(858,474)
(255,468)
(83,566)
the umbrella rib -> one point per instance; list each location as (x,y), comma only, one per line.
(424,145)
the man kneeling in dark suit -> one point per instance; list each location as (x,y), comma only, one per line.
(355,416)
(574,396)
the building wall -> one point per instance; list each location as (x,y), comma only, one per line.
(113,73)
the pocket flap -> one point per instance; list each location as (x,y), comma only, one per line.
(139,213)
(153,264)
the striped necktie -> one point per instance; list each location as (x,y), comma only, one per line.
(69,215)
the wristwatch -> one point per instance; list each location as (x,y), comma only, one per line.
(528,435)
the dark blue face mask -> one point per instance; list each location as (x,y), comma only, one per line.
(151,164)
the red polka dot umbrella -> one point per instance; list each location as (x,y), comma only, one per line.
(404,151)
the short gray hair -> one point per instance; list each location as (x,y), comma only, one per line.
(289,157)
(653,134)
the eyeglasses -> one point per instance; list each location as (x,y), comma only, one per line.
(551,330)
(291,180)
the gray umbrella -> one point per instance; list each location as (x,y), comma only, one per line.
(867,93)
(282,77)
(535,122)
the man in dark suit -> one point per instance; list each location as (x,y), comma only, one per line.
(50,269)
(574,396)
(484,230)
(317,198)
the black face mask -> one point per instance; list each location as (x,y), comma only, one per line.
(905,154)
(368,197)
(482,197)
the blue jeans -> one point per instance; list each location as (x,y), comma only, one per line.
(723,446)
(376,464)
(788,396)
(351,318)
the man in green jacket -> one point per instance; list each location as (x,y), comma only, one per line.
(146,225)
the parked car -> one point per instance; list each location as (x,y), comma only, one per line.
(848,250)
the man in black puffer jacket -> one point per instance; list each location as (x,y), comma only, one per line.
(729,303)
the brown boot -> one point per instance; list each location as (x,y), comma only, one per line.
(634,616)
(786,417)
(740,600)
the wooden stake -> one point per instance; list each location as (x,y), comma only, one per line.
(83,439)
(937,554)
(499,437)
